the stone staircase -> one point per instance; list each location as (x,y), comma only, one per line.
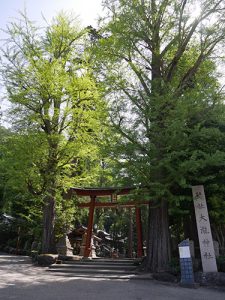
(97,268)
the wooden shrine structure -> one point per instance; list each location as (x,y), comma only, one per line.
(95,202)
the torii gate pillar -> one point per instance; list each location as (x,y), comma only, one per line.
(87,250)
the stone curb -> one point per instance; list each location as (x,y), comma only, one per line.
(147,276)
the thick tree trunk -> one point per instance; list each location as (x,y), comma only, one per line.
(48,237)
(158,248)
(190,230)
(48,243)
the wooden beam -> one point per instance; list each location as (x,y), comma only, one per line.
(88,249)
(113,204)
(101,191)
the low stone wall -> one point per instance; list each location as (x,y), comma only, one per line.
(210,279)
(46,259)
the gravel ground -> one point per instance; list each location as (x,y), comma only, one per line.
(20,280)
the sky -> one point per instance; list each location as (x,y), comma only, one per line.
(88,12)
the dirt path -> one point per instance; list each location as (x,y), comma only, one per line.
(20,280)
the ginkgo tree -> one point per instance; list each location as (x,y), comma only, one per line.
(156,62)
(56,110)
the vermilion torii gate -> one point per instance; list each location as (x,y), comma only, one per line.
(95,194)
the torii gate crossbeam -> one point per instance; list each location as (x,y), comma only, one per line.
(93,193)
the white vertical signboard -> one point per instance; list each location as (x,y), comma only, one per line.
(204,230)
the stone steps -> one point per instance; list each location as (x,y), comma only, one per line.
(93,267)
(103,261)
(96,268)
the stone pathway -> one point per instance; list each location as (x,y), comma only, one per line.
(20,280)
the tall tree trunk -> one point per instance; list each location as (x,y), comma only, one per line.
(158,247)
(48,238)
(190,230)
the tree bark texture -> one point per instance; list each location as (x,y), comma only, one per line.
(48,237)
(48,243)
(158,248)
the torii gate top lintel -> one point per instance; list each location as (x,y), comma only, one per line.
(111,191)
(100,192)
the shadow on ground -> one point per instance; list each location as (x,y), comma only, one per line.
(22,281)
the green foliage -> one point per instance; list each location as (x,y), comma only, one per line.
(57,115)
(221,263)
(174,266)
(165,102)
(7,232)
(154,62)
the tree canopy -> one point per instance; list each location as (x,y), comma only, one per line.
(137,100)
(157,65)
(57,109)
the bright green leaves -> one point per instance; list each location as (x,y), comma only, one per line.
(153,60)
(59,111)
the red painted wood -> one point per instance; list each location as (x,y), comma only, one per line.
(89,227)
(101,191)
(113,204)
